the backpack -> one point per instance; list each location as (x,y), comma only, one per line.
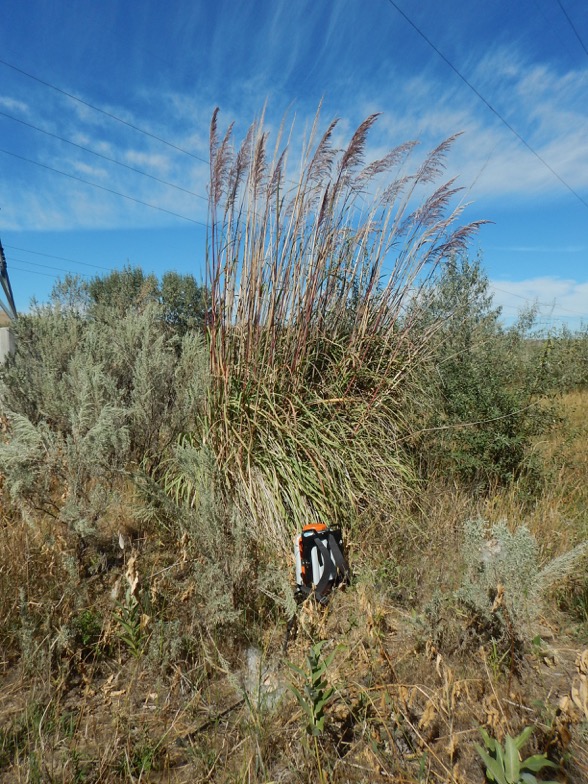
(320,561)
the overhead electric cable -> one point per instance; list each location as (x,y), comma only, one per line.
(60,258)
(554,29)
(572,25)
(102,187)
(34,272)
(104,157)
(49,266)
(536,301)
(486,102)
(103,111)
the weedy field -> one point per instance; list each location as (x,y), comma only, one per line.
(162,443)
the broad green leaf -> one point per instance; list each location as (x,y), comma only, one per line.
(488,740)
(321,703)
(492,765)
(302,701)
(317,680)
(330,657)
(537,762)
(524,736)
(499,755)
(296,669)
(512,766)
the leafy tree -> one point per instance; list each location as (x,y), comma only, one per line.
(122,290)
(71,294)
(479,390)
(184,302)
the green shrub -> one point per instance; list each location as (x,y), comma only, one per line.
(477,400)
(505,584)
(564,357)
(91,401)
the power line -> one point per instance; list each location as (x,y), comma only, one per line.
(102,187)
(100,155)
(47,266)
(114,117)
(536,301)
(554,29)
(572,25)
(486,103)
(59,258)
(103,111)
(34,272)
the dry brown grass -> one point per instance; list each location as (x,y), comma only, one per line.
(412,683)
(558,515)
(407,703)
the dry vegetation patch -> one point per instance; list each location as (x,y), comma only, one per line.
(407,701)
(151,480)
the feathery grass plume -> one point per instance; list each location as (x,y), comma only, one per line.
(309,343)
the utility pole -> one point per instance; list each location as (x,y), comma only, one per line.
(8,308)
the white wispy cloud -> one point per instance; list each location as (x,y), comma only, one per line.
(13,105)
(544,104)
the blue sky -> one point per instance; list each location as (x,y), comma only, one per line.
(163,67)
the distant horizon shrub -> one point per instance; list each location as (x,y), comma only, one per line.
(183,301)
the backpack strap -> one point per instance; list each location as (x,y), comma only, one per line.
(330,569)
(340,560)
(303,591)
(321,590)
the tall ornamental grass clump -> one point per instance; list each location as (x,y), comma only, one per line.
(309,278)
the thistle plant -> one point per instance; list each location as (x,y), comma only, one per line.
(314,695)
(504,764)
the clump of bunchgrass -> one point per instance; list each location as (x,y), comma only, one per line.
(309,338)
